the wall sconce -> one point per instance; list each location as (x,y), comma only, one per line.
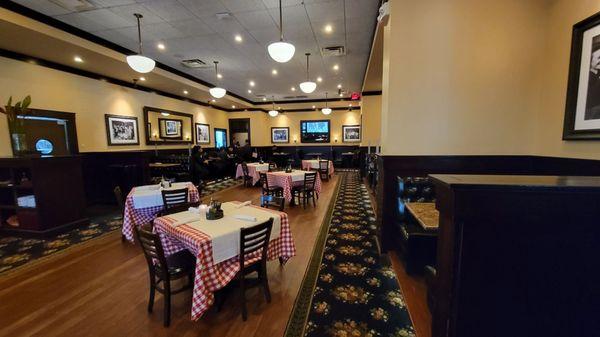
(295,140)
(336,139)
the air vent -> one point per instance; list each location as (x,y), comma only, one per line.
(223,15)
(333,51)
(195,63)
(75,5)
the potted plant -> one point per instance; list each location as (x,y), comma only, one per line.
(16,125)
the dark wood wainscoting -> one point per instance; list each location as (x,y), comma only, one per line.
(392,166)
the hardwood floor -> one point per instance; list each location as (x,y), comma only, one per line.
(101,289)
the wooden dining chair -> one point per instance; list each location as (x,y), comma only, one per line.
(247,177)
(162,270)
(175,197)
(178,208)
(269,190)
(254,240)
(306,191)
(121,203)
(269,201)
(324,169)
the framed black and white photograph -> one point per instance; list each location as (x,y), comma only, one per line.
(351,133)
(202,133)
(280,135)
(121,130)
(582,114)
(170,128)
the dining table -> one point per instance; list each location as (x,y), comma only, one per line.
(254,170)
(289,180)
(313,164)
(216,244)
(143,203)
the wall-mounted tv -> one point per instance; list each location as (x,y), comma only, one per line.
(314,131)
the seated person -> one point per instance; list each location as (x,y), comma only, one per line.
(198,166)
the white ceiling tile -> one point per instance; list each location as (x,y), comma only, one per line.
(326,11)
(192,27)
(284,3)
(94,20)
(44,7)
(255,20)
(202,8)
(126,12)
(237,6)
(222,25)
(112,3)
(169,10)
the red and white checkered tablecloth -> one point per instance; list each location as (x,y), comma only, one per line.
(138,216)
(252,171)
(210,277)
(314,164)
(283,179)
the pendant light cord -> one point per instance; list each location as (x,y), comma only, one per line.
(326,106)
(280,22)
(307,77)
(216,70)
(138,16)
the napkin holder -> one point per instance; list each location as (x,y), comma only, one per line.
(214,211)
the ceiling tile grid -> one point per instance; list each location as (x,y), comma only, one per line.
(191,29)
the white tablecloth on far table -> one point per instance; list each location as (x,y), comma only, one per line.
(253,170)
(314,164)
(288,180)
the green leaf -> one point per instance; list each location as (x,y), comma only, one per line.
(9,101)
(26,102)
(17,106)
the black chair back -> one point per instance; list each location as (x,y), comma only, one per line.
(119,198)
(175,197)
(255,238)
(264,182)
(153,252)
(269,201)
(309,180)
(178,208)
(272,166)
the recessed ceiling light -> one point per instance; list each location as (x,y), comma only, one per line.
(319,79)
(160,46)
(278,108)
(185,92)
(350,104)
(142,78)
(233,106)
(249,91)
(336,67)
(238,38)
(341,94)
(213,100)
(251,83)
(293,88)
(78,59)
(274,71)
(339,86)
(328,29)
(219,76)
(264,98)
(313,106)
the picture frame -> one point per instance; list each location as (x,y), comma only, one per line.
(121,130)
(280,135)
(202,133)
(351,133)
(170,128)
(582,109)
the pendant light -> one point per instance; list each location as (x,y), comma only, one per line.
(326,110)
(273,112)
(217,92)
(139,62)
(308,86)
(281,51)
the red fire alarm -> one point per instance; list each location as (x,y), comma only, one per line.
(355,96)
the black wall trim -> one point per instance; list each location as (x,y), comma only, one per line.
(389,167)
(372,93)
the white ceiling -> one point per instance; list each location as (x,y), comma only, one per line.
(191,29)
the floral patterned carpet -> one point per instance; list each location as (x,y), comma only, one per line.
(348,289)
(16,252)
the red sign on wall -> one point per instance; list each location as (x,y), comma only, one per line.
(355,96)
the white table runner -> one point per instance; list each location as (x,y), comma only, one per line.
(151,196)
(259,167)
(225,232)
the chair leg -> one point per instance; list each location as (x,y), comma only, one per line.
(265,282)
(243,289)
(152,292)
(313,199)
(167,306)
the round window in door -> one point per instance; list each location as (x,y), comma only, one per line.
(44,146)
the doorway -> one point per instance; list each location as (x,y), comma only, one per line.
(240,131)
(220,138)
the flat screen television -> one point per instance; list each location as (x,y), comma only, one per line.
(314,131)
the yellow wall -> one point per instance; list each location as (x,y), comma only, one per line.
(461,77)
(562,15)
(90,99)
(371,120)
(261,123)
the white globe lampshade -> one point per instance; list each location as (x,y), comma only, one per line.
(308,87)
(141,63)
(326,111)
(217,92)
(273,113)
(281,51)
